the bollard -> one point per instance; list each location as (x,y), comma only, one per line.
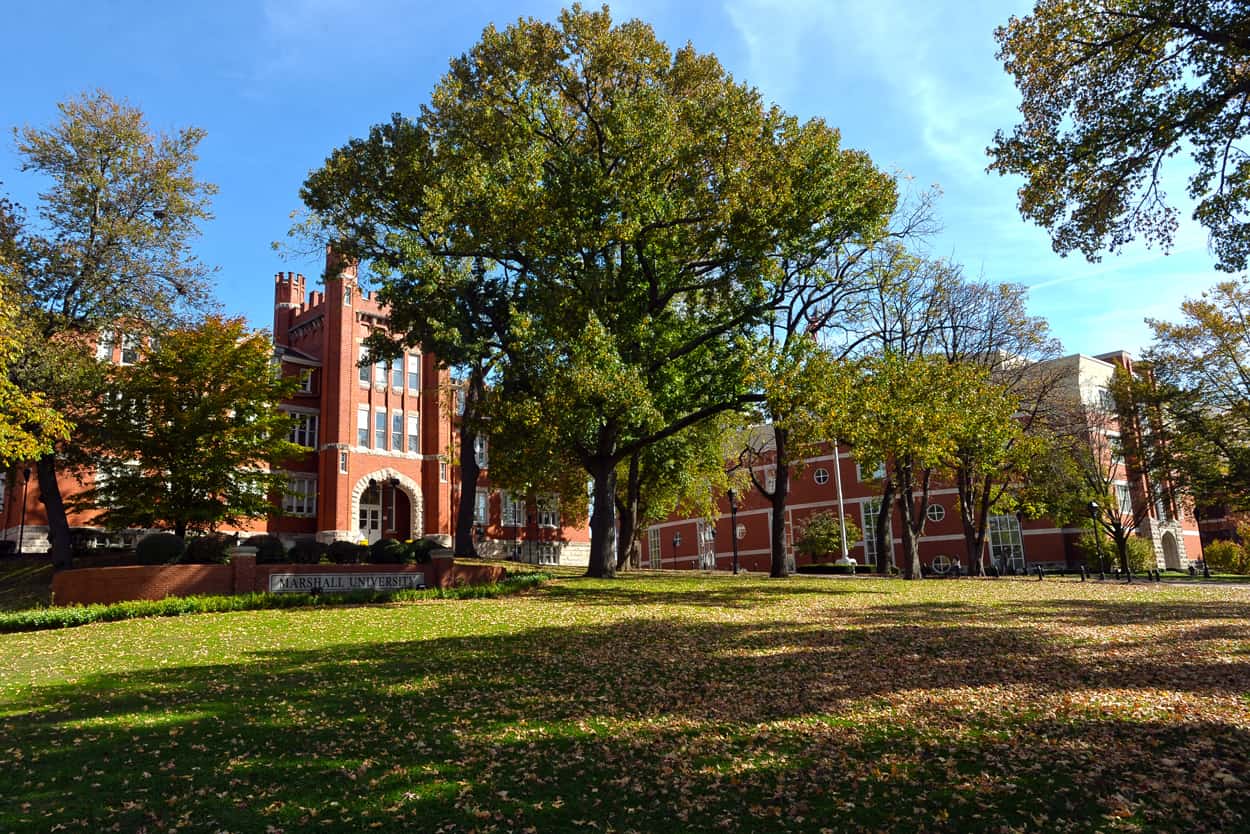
(1040,573)
(1083,573)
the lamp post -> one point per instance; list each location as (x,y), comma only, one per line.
(733,525)
(21,530)
(1102,561)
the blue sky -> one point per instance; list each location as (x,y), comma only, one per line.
(279,83)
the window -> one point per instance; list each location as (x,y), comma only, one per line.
(821,476)
(548,554)
(1124,498)
(397,431)
(481,507)
(130,349)
(653,547)
(343,463)
(1006,544)
(414,438)
(379,372)
(770,480)
(481,450)
(871,511)
(875,475)
(301,496)
(1161,506)
(364,363)
(414,372)
(460,401)
(306,381)
(1106,402)
(104,348)
(379,429)
(935,512)
(347,296)
(397,373)
(676,541)
(511,510)
(304,431)
(548,511)
(442,471)
(362,426)
(740,532)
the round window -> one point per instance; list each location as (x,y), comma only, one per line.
(822,476)
(942,563)
(935,512)
(741,531)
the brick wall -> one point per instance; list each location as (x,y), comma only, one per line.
(90,585)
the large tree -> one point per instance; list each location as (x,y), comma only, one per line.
(1111,90)
(110,251)
(192,435)
(1199,372)
(649,210)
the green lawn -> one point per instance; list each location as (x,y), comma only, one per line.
(653,703)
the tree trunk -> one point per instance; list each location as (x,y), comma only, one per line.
(974,508)
(62,552)
(603,519)
(464,544)
(781,487)
(913,518)
(982,524)
(883,532)
(628,509)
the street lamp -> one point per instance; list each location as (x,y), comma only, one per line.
(21,530)
(1102,561)
(733,525)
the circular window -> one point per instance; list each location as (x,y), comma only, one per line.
(822,476)
(942,563)
(935,512)
(741,531)
(677,539)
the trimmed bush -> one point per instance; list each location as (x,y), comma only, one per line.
(36,619)
(206,550)
(307,551)
(1226,557)
(159,549)
(388,552)
(347,553)
(269,550)
(419,551)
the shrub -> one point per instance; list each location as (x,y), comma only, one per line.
(1226,557)
(1141,554)
(823,534)
(388,552)
(269,549)
(159,549)
(347,553)
(419,551)
(206,550)
(307,551)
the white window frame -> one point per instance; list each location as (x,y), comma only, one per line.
(364,366)
(481,507)
(481,450)
(821,476)
(869,512)
(397,431)
(306,380)
(379,428)
(413,426)
(547,512)
(511,510)
(343,463)
(362,426)
(304,431)
(414,372)
(1124,500)
(130,349)
(653,548)
(1006,539)
(300,497)
(104,347)
(442,471)
(935,512)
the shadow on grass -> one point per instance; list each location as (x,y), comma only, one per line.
(647,725)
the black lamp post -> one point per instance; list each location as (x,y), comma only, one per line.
(733,525)
(1102,561)
(21,530)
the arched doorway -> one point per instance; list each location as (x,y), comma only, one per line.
(1171,553)
(387,504)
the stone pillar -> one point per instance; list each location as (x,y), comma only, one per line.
(243,560)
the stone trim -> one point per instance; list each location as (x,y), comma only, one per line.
(415,500)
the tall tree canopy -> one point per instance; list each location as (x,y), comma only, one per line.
(192,435)
(648,211)
(110,250)
(1113,88)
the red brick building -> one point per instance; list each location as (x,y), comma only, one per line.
(1167,518)
(381,440)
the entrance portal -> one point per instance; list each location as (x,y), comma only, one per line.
(1171,553)
(370,519)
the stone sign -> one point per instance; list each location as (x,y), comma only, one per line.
(340,583)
